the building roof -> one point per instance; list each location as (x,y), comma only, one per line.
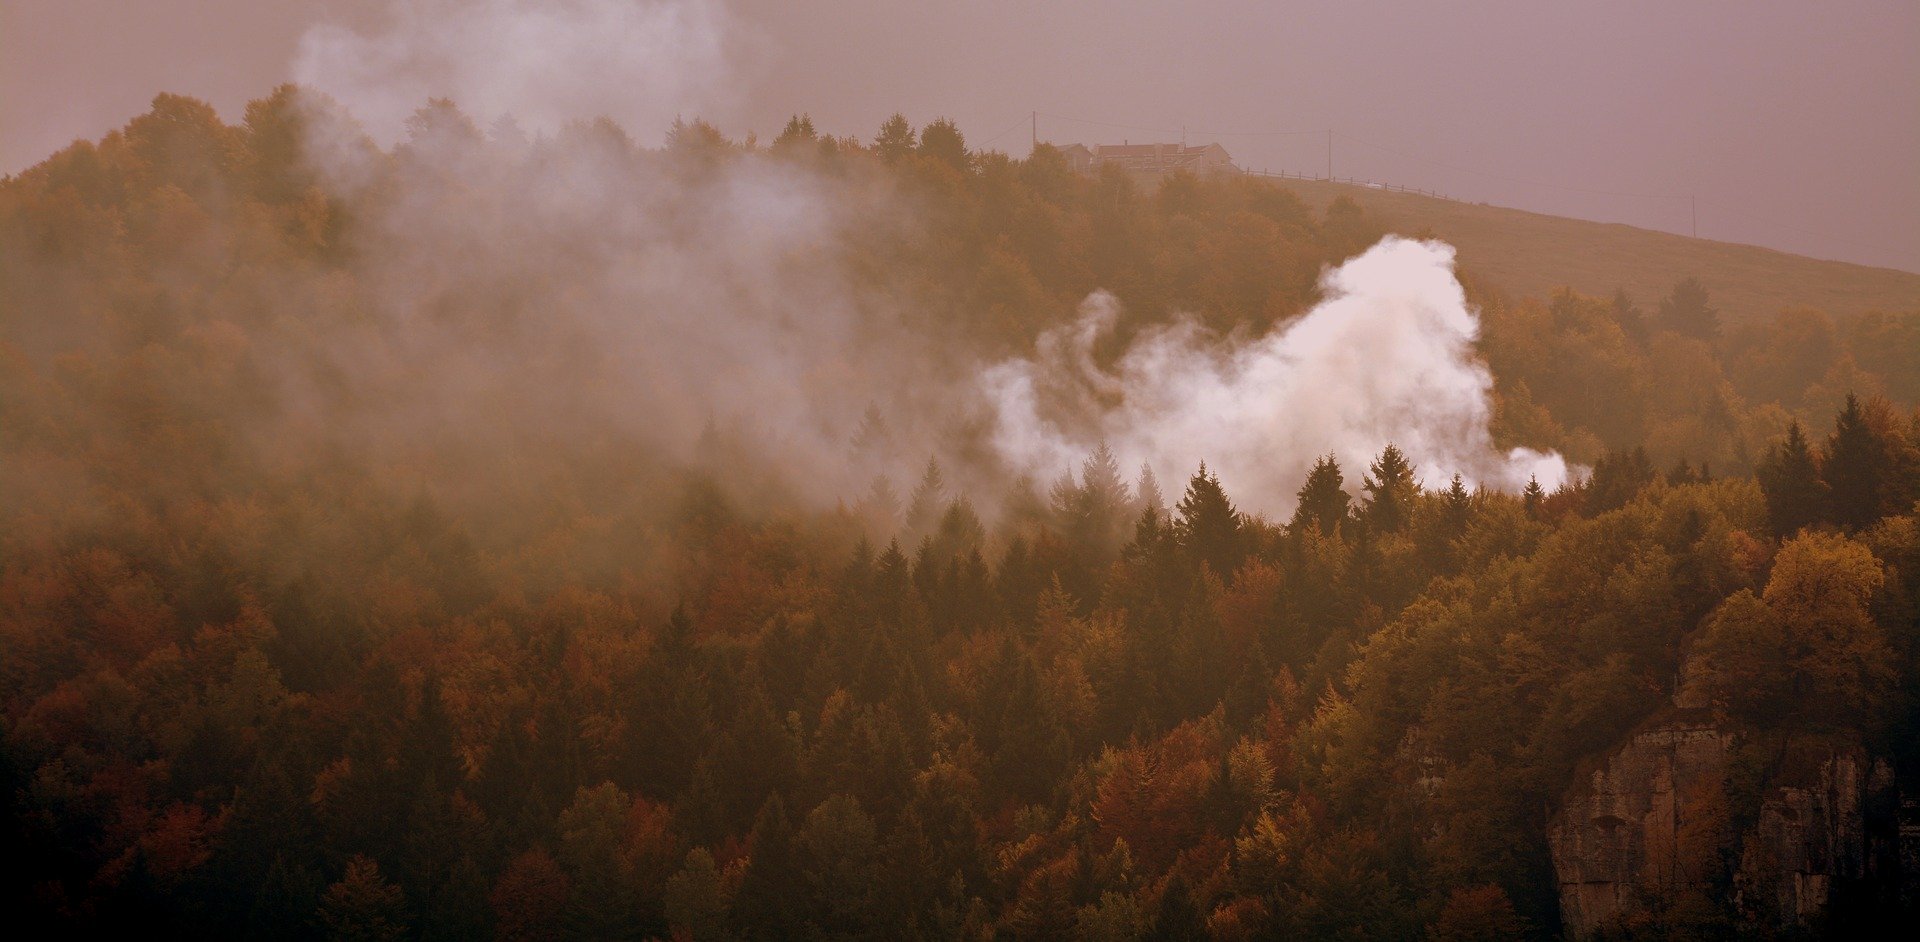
(1153,150)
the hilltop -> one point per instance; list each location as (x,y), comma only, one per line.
(1530,254)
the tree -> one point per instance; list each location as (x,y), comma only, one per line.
(1147,496)
(1207,527)
(696,899)
(798,132)
(1808,646)
(1322,499)
(530,898)
(1093,514)
(1390,489)
(895,139)
(364,907)
(696,139)
(1872,467)
(925,506)
(1030,745)
(1632,321)
(1617,479)
(1790,479)
(942,141)
(1179,918)
(1533,497)
(840,868)
(1685,311)
(764,903)
(1477,914)
(606,895)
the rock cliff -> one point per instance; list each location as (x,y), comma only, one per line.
(1690,819)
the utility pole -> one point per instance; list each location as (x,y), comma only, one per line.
(1034,143)
(1329,155)
(1693,211)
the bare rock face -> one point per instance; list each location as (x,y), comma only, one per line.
(1616,846)
(1644,837)
(1811,831)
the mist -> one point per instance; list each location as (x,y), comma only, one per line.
(701,304)
(640,64)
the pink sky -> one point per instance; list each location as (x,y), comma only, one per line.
(1796,125)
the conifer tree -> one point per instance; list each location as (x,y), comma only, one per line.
(895,139)
(1322,499)
(765,901)
(799,130)
(1207,526)
(1855,468)
(958,533)
(363,906)
(1459,506)
(1685,311)
(942,141)
(1103,503)
(1617,479)
(1390,491)
(927,503)
(1147,496)
(1790,480)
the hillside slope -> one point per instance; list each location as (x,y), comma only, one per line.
(1530,254)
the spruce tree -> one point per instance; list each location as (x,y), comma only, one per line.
(928,501)
(1207,526)
(1323,500)
(1685,311)
(1390,489)
(1855,468)
(1533,497)
(1790,479)
(1147,494)
(1459,504)
(1104,502)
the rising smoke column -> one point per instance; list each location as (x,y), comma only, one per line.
(1387,357)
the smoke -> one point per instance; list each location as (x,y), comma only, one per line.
(1386,357)
(639,62)
(514,296)
(576,291)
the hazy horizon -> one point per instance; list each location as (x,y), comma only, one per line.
(1796,128)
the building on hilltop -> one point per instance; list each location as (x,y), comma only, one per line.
(1155,159)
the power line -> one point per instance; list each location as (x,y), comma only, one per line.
(1009,130)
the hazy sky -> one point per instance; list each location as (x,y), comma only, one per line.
(1797,125)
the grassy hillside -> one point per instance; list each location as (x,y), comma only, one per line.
(1531,254)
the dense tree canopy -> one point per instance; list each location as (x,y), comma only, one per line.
(259,682)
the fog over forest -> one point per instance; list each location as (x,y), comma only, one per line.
(469,492)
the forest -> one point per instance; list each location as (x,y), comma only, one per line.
(355,584)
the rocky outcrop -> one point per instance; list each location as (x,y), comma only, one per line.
(1646,835)
(1617,843)
(1810,833)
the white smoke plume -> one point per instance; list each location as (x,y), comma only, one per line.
(1386,357)
(580,286)
(545,62)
